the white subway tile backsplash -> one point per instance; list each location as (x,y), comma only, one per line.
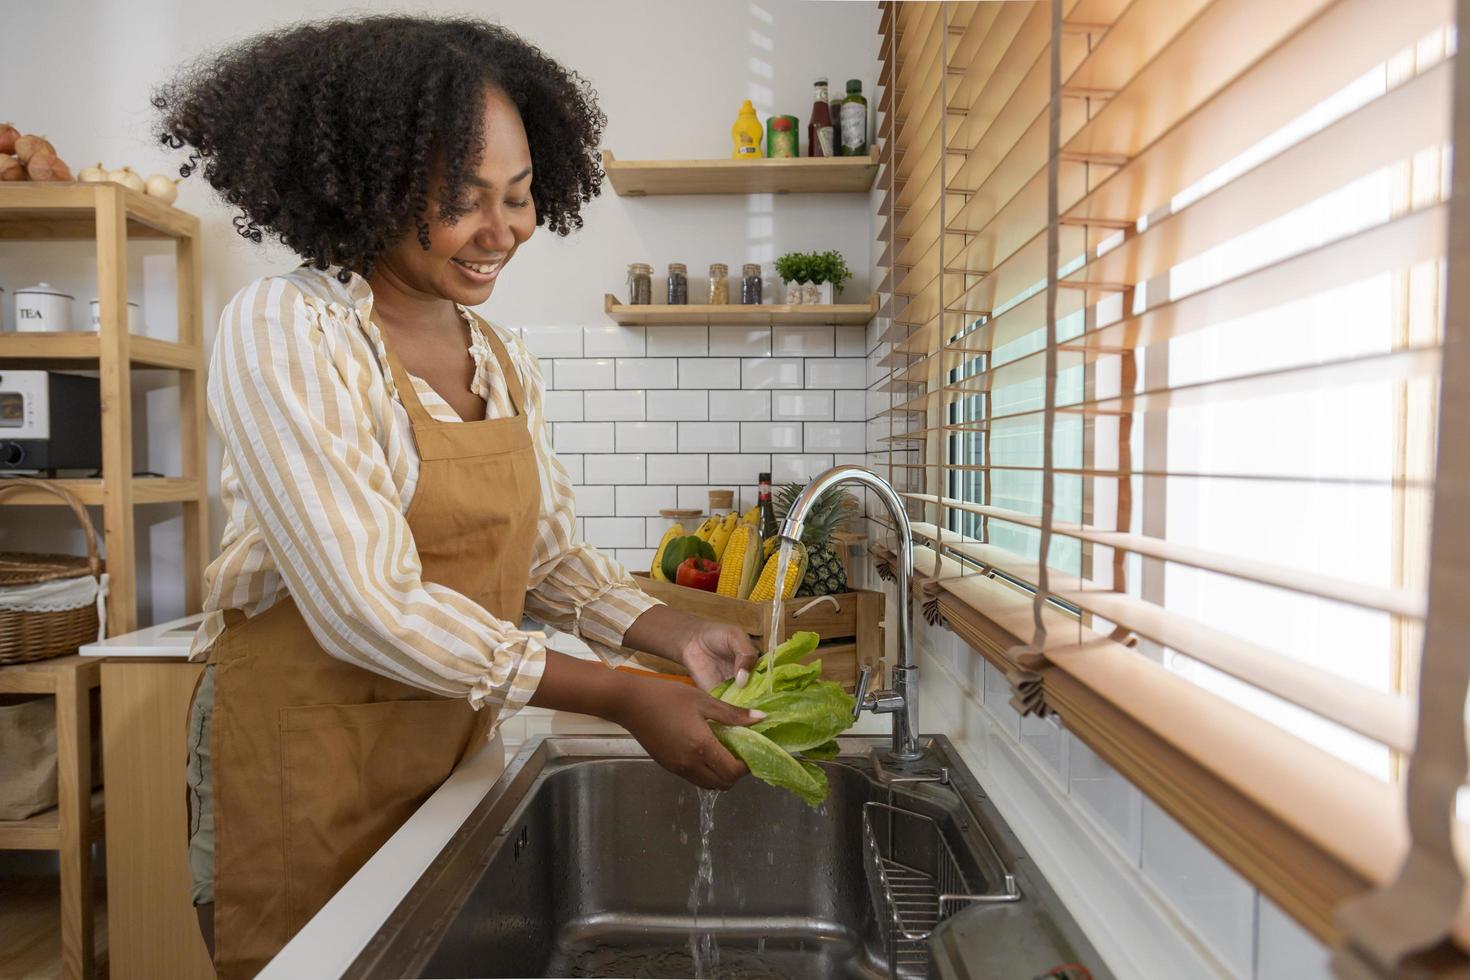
(773,372)
(647,372)
(634,559)
(730,470)
(641,501)
(677,406)
(563,406)
(677,341)
(739,406)
(797,467)
(836,372)
(647,437)
(582,437)
(856,459)
(614,406)
(619,468)
(595,501)
(582,373)
(613,341)
(572,463)
(851,342)
(697,498)
(740,342)
(849,437)
(709,372)
(706,437)
(1218,903)
(547,371)
(802,341)
(678,468)
(795,406)
(1284,950)
(546,342)
(851,406)
(653,531)
(614,532)
(1113,802)
(767,437)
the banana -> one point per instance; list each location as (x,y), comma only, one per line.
(753,516)
(707,528)
(656,571)
(721,536)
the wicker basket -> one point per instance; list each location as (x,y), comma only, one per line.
(27,635)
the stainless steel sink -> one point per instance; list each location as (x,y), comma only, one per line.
(580,862)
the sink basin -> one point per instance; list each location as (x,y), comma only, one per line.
(581,860)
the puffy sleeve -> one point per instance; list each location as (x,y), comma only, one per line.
(308,464)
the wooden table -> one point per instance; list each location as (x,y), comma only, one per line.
(70,827)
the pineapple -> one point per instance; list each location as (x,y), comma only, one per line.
(825,574)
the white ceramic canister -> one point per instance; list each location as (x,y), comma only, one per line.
(42,309)
(135,316)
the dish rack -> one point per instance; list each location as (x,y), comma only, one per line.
(915,883)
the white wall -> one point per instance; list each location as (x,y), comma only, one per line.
(671,75)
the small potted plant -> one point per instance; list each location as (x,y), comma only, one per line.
(792,268)
(829,271)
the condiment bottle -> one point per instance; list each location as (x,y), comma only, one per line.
(750,284)
(819,128)
(781,137)
(746,134)
(854,121)
(678,284)
(719,284)
(640,284)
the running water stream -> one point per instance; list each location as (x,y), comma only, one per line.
(704,949)
(783,563)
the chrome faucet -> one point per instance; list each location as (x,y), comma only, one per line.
(903,700)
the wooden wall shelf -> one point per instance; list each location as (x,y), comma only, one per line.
(736,315)
(799,175)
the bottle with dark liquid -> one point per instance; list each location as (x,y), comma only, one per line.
(769,526)
(819,130)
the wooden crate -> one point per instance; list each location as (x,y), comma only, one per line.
(849,625)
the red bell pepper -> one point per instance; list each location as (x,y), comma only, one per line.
(699,573)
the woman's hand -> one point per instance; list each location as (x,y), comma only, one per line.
(715,651)
(671,721)
(710,651)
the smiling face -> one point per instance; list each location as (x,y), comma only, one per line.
(464,259)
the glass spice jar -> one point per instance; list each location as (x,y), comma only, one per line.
(750,284)
(719,284)
(640,284)
(678,284)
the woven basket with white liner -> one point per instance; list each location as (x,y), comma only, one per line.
(50,604)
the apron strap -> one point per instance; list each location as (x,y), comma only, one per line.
(507,369)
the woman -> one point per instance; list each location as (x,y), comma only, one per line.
(394,504)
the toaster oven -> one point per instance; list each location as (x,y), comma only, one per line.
(48,422)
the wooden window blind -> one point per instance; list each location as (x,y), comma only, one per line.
(1167,301)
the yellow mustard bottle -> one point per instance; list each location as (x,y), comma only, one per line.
(746,134)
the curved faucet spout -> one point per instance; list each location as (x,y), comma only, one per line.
(903,700)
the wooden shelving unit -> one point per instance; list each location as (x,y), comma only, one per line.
(76,822)
(111,215)
(736,315)
(798,175)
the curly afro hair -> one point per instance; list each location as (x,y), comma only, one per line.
(324,134)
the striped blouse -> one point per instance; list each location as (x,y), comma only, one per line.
(296,350)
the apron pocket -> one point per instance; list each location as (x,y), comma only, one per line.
(353,773)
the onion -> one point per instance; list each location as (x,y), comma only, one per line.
(161,187)
(127,178)
(8,135)
(11,168)
(28,146)
(47,166)
(92,175)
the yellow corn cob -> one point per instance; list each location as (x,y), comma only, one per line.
(656,572)
(721,537)
(742,563)
(765,588)
(769,545)
(707,528)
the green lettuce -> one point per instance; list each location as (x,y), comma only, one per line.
(804,715)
